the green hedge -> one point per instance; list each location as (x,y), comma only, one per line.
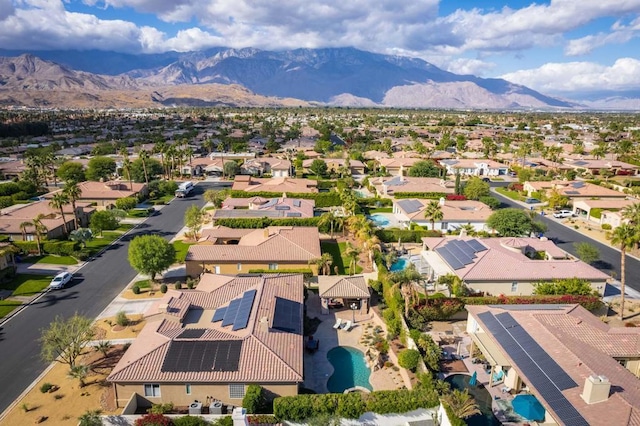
(308,273)
(322,199)
(260,223)
(590,303)
(61,248)
(27,246)
(405,235)
(352,405)
(429,195)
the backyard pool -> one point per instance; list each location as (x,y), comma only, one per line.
(399,265)
(482,397)
(350,369)
(379,220)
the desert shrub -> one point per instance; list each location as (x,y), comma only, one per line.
(225,421)
(409,359)
(135,289)
(178,285)
(163,288)
(190,421)
(154,420)
(81,255)
(46,387)
(606,226)
(122,319)
(161,408)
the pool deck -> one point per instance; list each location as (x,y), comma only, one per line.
(318,369)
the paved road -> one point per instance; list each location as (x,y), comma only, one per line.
(565,237)
(95,285)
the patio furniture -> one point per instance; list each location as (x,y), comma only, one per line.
(338,323)
(347,325)
(505,389)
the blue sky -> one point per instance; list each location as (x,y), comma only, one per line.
(556,46)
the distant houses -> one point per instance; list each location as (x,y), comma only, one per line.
(258,207)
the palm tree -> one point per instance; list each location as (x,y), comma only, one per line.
(461,403)
(90,418)
(58,201)
(632,212)
(328,218)
(79,372)
(160,148)
(82,235)
(404,282)
(103,346)
(323,263)
(23,228)
(73,192)
(12,250)
(434,213)
(352,253)
(372,245)
(40,230)
(144,156)
(625,236)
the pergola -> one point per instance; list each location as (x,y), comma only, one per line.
(348,289)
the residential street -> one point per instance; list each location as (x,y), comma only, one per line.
(93,288)
(565,237)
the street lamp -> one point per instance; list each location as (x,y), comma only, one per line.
(354,307)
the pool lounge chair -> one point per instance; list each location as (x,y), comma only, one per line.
(347,326)
(338,323)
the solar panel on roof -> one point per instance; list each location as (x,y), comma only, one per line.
(219,314)
(199,356)
(572,192)
(192,333)
(283,208)
(294,214)
(297,203)
(451,260)
(460,254)
(244,310)
(477,245)
(230,314)
(287,315)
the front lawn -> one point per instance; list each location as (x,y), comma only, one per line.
(8,306)
(51,259)
(98,243)
(124,227)
(381,210)
(27,284)
(162,200)
(514,195)
(337,251)
(181,248)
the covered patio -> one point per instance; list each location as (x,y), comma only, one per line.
(344,292)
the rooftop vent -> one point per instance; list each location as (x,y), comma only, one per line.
(596,389)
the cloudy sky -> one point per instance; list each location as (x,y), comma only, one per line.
(557,46)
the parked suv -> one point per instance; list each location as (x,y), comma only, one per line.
(562,214)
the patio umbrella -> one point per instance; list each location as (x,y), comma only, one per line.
(474,379)
(528,407)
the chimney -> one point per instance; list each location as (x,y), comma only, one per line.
(266,232)
(163,308)
(401,172)
(596,389)
(441,201)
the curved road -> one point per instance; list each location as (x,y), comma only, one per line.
(565,237)
(94,286)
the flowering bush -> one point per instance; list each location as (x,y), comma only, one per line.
(154,420)
(456,197)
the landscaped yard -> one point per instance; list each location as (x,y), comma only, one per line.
(124,227)
(51,259)
(27,284)
(181,250)
(7,306)
(514,195)
(337,251)
(165,199)
(98,243)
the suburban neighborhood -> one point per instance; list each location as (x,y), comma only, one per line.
(319,266)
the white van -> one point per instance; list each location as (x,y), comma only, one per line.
(184,189)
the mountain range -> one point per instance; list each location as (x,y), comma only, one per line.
(252,77)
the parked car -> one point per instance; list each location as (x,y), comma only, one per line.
(562,214)
(60,280)
(486,179)
(532,201)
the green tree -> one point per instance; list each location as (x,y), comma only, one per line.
(254,400)
(318,167)
(40,231)
(409,359)
(424,169)
(101,168)
(490,201)
(145,168)
(510,222)
(151,254)
(461,403)
(323,263)
(103,220)
(193,219)
(588,253)
(476,188)
(71,171)
(231,168)
(625,236)
(65,340)
(434,213)
(215,197)
(126,203)
(574,286)
(555,199)
(58,201)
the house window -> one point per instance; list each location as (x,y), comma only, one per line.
(239,266)
(152,389)
(236,391)
(273,266)
(622,362)
(514,287)
(187,388)
(444,226)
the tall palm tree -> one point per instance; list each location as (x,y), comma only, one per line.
(371,246)
(40,229)
(144,156)
(434,213)
(404,282)
(323,263)
(23,229)
(328,218)
(625,236)
(352,253)
(632,212)
(58,201)
(160,148)
(73,192)
(461,403)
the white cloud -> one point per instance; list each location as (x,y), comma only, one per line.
(469,66)
(619,34)
(624,74)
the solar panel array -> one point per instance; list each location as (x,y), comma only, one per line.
(294,214)
(410,206)
(297,203)
(460,253)
(541,371)
(287,315)
(192,333)
(202,355)
(237,313)
(283,208)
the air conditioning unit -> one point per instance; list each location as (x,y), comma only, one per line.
(215,407)
(195,408)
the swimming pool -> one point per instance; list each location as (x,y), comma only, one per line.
(350,369)
(482,397)
(379,220)
(399,265)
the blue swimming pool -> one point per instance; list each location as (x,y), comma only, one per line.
(399,265)
(482,397)
(379,220)
(350,369)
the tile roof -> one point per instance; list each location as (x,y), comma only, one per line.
(280,184)
(340,286)
(111,190)
(453,211)
(504,261)
(261,345)
(273,244)
(263,207)
(582,346)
